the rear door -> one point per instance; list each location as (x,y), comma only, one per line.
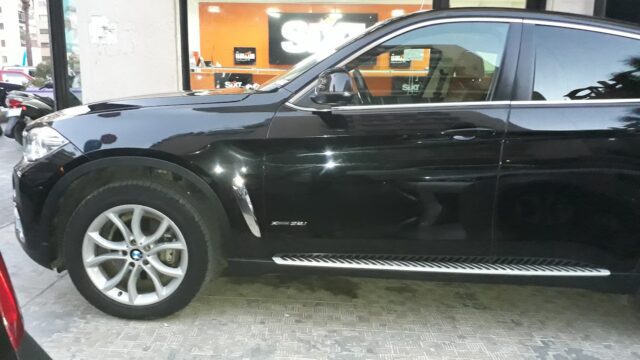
(570,182)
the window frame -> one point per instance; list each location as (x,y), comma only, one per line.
(500,95)
(525,73)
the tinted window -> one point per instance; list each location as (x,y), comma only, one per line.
(578,65)
(440,63)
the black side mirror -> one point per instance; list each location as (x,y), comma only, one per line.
(47,85)
(333,88)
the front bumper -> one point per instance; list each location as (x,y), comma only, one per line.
(35,245)
(34,208)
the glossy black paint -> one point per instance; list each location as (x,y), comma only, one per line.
(214,132)
(571,189)
(556,181)
(389,181)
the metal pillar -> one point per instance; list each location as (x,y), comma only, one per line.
(600,8)
(441,4)
(538,5)
(184,44)
(58,42)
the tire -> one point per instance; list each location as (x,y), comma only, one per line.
(186,224)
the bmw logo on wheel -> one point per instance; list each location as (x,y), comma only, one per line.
(136,254)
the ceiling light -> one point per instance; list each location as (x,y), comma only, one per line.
(397,12)
(213,9)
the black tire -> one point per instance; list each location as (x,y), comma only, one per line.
(173,201)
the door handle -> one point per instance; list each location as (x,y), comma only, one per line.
(465,134)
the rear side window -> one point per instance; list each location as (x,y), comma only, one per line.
(582,65)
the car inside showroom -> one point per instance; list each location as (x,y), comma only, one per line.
(362,179)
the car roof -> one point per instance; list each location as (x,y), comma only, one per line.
(527,15)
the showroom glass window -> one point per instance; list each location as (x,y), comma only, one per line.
(73,50)
(454,62)
(582,65)
(240,44)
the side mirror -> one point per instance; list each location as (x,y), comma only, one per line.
(333,88)
(47,85)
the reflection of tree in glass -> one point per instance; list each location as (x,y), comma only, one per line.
(632,120)
(624,84)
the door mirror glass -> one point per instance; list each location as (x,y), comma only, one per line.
(333,88)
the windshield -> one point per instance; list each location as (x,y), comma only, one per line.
(297,69)
(312,60)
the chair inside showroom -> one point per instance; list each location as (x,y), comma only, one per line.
(467,80)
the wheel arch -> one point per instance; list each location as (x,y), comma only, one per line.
(100,162)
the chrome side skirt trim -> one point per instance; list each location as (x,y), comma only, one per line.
(445,264)
(244,203)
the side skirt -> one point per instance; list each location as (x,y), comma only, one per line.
(445,264)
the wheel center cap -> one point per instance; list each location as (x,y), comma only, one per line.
(136,254)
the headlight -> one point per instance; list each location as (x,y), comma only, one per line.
(40,141)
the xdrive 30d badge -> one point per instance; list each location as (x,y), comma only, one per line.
(465,144)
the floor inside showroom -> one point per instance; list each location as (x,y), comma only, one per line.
(324,317)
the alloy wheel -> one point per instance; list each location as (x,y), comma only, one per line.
(135,254)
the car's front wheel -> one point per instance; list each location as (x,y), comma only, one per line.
(139,249)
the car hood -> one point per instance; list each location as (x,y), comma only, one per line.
(149,101)
(172,99)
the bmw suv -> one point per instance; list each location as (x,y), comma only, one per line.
(491,145)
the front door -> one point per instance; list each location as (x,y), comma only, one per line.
(410,166)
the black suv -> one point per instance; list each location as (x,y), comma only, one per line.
(466,144)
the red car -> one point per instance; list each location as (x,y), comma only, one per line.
(15,343)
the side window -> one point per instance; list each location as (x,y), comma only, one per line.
(440,63)
(580,65)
